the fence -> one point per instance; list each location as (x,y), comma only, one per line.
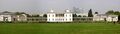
(36,19)
(74,19)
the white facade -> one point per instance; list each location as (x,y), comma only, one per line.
(103,17)
(59,17)
(112,18)
(5,18)
(22,17)
(8,16)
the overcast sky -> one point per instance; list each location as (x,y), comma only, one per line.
(41,6)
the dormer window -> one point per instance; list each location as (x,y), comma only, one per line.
(59,15)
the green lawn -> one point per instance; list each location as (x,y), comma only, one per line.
(60,28)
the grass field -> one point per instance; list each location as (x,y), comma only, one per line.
(60,28)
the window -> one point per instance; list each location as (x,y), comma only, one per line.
(49,20)
(53,15)
(49,15)
(5,18)
(70,15)
(66,15)
(59,15)
(53,19)
(70,18)
(63,19)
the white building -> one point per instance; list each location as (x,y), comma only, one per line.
(10,16)
(104,17)
(112,18)
(59,17)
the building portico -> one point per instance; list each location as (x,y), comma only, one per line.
(59,17)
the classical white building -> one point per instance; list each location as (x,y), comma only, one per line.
(104,17)
(59,17)
(10,16)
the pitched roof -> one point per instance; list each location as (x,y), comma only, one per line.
(6,13)
(107,15)
(102,15)
(113,15)
(59,12)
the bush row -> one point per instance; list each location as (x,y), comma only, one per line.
(56,22)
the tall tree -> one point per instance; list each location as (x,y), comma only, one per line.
(110,12)
(45,15)
(23,13)
(35,16)
(84,16)
(96,12)
(117,13)
(17,13)
(28,15)
(79,16)
(74,15)
(90,13)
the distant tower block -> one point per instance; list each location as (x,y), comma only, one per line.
(51,11)
(67,10)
